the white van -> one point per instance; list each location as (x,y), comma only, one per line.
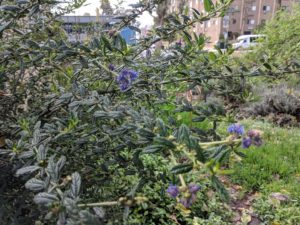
(247,41)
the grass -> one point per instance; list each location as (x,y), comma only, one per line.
(273,167)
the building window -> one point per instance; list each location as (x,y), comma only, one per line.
(208,23)
(253,8)
(233,21)
(250,21)
(266,8)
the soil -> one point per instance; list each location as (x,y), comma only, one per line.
(241,203)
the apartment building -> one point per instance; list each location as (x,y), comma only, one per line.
(242,17)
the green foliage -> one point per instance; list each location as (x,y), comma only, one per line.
(287,214)
(156,211)
(106,7)
(81,140)
(213,219)
(281,47)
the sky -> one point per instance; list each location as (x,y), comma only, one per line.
(91,5)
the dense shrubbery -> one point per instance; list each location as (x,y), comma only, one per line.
(282,44)
(279,105)
(86,135)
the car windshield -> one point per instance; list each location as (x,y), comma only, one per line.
(241,41)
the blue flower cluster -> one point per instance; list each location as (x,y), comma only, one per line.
(236,129)
(188,194)
(125,78)
(253,138)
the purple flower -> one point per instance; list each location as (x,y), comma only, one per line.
(189,196)
(125,78)
(133,74)
(173,191)
(194,188)
(236,128)
(255,136)
(187,202)
(179,43)
(111,67)
(246,142)
(254,133)
(257,141)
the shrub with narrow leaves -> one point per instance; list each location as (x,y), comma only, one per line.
(89,142)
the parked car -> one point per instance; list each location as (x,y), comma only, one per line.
(248,41)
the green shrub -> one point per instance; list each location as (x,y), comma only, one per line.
(281,47)
(89,142)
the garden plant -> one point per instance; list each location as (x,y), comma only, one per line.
(84,137)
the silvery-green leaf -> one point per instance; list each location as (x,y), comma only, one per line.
(26,155)
(5,26)
(66,96)
(35,184)
(75,186)
(36,137)
(27,169)
(37,125)
(45,198)
(41,153)
(99,211)
(88,218)
(61,162)
(70,205)
(49,215)
(51,169)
